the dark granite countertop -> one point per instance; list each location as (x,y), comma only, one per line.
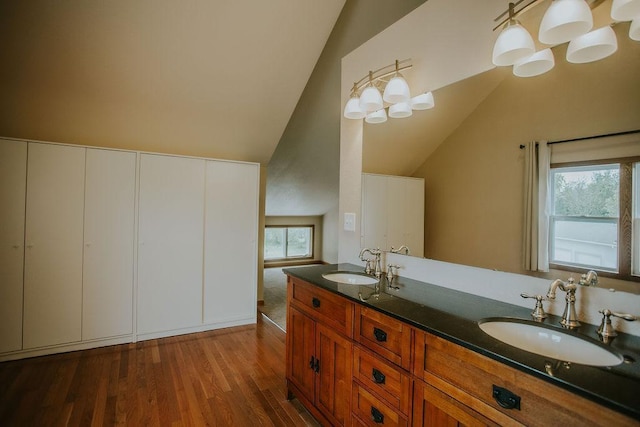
(454,315)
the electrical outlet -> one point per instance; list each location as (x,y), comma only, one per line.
(349,222)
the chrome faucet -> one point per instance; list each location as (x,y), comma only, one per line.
(372,264)
(402,248)
(569,316)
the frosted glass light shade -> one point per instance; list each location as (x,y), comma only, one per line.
(513,43)
(634,29)
(565,20)
(423,101)
(352,110)
(625,10)
(370,99)
(597,44)
(400,110)
(397,90)
(379,116)
(538,63)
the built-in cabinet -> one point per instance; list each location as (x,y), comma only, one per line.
(402,375)
(231,245)
(109,244)
(102,246)
(170,244)
(392,212)
(13,179)
(54,245)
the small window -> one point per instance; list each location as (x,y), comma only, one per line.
(288,242)
(584,216)
(594,219)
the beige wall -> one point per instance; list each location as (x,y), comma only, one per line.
(316,221)
(474,180)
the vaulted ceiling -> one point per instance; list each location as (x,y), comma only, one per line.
(200,77)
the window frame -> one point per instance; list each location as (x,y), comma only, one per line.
(625,219)
(292,258)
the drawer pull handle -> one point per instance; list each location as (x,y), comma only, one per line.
(378,377)
(380,335)
(312,362)
(377,416)
(316,367)
(505,398)
(315,302)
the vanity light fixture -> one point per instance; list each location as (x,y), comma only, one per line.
(565,20)
(595,45)
(538,63)
(514,42)
(370,105)
(625,10)
(634,29)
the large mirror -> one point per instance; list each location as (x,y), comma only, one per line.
(467,148)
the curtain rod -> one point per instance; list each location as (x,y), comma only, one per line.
(584,138)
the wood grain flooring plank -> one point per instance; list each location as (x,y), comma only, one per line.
(225,377)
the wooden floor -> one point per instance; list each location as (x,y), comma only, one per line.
(227,377)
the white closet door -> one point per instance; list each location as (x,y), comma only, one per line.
(396,201)
(170,243)
(109,215)
(374,212)
(13,185)
(231,233)
(414,219)
(53,256)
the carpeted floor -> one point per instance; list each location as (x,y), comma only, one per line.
(275,296)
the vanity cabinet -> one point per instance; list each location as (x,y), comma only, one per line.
(470,379)
(319,355)
(387,372)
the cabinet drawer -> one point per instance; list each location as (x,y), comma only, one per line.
(470,377)
(386,380)
(384,335)
(330,309)
(371,411)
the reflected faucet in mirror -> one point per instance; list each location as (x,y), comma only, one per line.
(400,250)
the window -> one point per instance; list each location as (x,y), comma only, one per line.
(594,217)
(294,242)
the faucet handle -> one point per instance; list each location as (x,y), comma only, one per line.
(606,331)
(538,312)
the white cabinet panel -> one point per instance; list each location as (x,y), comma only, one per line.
(13,183)
(231,232)
(170,243)
(392,212)
(53,256)
(109,216)
(374,212)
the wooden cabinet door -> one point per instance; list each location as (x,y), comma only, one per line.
(54,241)
(333,382)
(431,407)
(301,352)
(170,243)
(231,235)
(109,214)
(13,186)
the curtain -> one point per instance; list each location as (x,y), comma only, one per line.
(536,207)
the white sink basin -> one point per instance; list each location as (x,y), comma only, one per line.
(549,341)
(350,278)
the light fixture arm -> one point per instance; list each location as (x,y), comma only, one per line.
(381,74)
